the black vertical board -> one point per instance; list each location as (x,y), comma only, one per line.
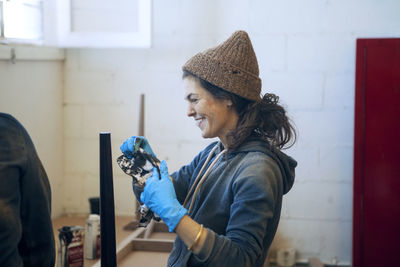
(107,214)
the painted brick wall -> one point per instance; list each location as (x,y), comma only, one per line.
(306,53)
(31,91)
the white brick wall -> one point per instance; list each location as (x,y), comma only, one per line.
(306,53)
(31,91)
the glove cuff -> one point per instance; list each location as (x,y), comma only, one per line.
(175,216)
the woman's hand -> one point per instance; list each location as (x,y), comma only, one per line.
(159,195)
(133,143)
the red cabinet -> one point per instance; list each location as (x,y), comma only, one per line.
(376,214)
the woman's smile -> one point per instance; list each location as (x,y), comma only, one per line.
(199,122)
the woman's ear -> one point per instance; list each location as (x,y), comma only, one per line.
(228,103)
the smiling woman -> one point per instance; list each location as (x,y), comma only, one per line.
(225,205)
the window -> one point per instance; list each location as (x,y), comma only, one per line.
(74,23)
(21,21)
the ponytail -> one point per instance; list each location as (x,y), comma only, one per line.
(266,119)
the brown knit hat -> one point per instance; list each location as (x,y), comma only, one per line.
(231,66)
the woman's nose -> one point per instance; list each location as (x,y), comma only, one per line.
(190,111)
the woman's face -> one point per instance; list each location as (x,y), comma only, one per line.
(214,117)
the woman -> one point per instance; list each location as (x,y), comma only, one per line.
(225,205)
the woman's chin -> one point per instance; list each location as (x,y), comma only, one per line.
(204,134)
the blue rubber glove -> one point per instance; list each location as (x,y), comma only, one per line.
(159,195)
(133,143)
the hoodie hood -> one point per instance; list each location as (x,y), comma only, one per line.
(286,163)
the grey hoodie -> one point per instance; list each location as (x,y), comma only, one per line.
(239,204)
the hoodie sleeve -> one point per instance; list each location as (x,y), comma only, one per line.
(26,232)
(12,160)
(257,194)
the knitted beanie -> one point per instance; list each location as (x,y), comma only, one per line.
(231,66)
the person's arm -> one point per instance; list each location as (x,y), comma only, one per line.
(161,190)
(257,190)
(10,222)
(256,196)
(10,195)
(26,232)
(191,233)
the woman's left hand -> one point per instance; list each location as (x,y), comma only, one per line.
(131,145)
(159,195)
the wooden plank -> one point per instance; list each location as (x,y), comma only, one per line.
(125,247)
(149,229)
(141,116)
(135,242)
(159,245)
(145,258)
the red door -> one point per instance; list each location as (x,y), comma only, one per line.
(376,214)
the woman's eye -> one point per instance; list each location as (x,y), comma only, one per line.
(193,100)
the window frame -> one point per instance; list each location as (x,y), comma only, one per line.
(1,21)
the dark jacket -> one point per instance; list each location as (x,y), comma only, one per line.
(26,232)
(239,204)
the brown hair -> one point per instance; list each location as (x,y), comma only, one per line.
(265,118)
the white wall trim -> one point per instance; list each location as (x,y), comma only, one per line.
(17,52)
